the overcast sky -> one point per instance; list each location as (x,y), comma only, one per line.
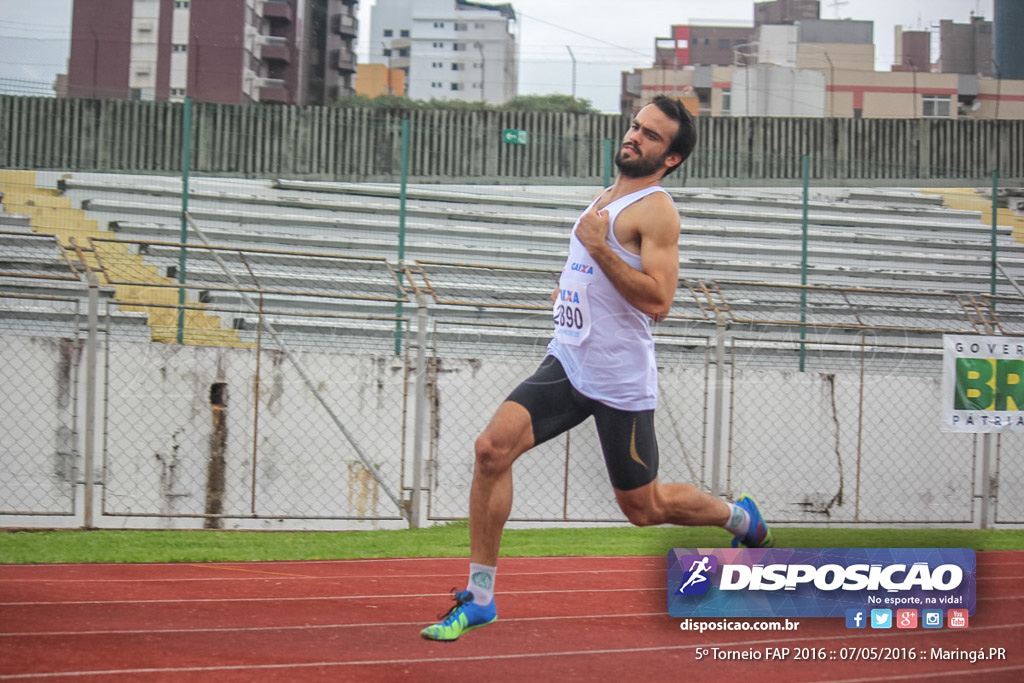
(606,38)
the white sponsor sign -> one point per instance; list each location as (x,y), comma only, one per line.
(982,384)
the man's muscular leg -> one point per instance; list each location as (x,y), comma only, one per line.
(508,435)
(680,504)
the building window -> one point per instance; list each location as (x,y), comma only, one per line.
(388,33)
(404,33)
(456,86)
(403,52)
(435,85)
(437,65)
(726,102)
(177,92)
(180,47)
(723,44)
(479,26)
(438,24)
(181,4)
(935,106)
(459,47)
(438,44)
(387,52)
(457,66)
(461,27)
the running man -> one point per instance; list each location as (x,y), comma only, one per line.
(698,570)
(620,275)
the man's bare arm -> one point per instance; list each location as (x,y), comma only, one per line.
(651,289)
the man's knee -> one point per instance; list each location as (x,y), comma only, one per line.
(508,435)
(493,456)
(640,513)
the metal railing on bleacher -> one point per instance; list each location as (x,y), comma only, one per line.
(260,271)
(759,303)
(35,257)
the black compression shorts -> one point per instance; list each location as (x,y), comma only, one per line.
(627,437)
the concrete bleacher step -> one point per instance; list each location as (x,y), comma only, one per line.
(269,207)
(20,222)
(980,202)
(921,205)
(53,309)
(898,198)
(692,204)
(829,220)
(922,238)
(52,214)
(890,238)
(232,304)
(508,198)
(383,223)
(351,243)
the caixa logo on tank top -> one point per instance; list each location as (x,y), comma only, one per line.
(584,268)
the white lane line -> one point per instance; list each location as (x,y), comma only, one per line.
(306,598)
(389,596)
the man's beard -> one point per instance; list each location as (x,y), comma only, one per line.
(639,167)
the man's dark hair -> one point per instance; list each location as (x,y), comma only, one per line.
(686,137)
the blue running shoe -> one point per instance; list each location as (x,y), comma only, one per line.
(758,535)
(463,617)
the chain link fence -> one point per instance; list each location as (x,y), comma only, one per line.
(41,456)
(276,371)
(323,432)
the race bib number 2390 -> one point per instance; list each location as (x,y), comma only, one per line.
(571,313)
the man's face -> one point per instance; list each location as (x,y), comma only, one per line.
(644,148)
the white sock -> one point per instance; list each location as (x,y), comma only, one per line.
(481,583)
(739,521)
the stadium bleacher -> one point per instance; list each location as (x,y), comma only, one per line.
(488,256)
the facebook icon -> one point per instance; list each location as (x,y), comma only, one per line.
(856,618)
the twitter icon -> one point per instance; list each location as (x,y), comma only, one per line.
(881,618)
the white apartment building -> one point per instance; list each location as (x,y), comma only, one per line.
(145,48)
(449,49)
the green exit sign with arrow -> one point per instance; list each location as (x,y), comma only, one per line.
(512,136)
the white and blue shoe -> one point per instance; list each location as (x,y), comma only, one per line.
(758,535)
(463,617)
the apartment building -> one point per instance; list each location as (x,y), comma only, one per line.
(820,67)
(448,49)
(228,51)
(966,48)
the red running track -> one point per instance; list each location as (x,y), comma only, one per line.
(561,619)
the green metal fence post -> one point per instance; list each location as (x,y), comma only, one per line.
(401,231)
(995,230)
(607,165)
(806,170)
(186,162)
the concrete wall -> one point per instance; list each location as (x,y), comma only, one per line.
(815,447)
(468,147)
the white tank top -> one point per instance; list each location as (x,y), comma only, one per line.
(604,342)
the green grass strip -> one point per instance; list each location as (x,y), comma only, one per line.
(451,540)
